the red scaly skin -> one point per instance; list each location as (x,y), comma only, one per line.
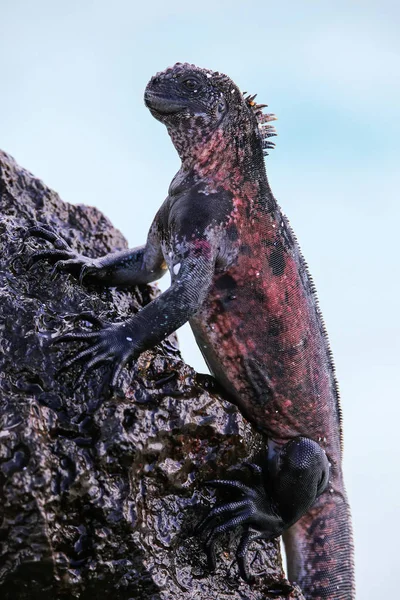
(270,282)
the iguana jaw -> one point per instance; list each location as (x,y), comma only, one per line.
(160,105)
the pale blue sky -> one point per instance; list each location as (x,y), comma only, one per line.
(72,76)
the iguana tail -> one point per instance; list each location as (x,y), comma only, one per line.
(319,549)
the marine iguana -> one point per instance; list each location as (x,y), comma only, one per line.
(239,278)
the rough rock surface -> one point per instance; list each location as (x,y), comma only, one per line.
(100,492)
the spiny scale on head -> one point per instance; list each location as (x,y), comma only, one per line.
(266,131)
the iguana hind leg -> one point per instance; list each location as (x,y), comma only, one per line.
(290,479)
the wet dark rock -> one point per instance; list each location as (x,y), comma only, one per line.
(100,492)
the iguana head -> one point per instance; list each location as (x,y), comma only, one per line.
(198,105)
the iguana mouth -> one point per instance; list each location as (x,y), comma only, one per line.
(162,105)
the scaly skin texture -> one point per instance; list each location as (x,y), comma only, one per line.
(239,277)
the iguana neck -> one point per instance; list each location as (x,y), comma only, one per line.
(235,163)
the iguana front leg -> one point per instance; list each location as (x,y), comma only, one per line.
(117,342)
(129,267)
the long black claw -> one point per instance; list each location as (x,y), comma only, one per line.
(49,236)
(93,362)
(41,232)
(211,539)
(70,264)
(232,483)
(116,373)
(84,272)
(76,358)
(206,523)
(55,270)
(76,336)
(248,537)
(44,254)
(210,553)
(238,519)
(90,318)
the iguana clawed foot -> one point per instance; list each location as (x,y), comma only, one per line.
(253,511)
(64,257)
(291,476)
(110,343)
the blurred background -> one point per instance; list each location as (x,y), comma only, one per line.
(72,77)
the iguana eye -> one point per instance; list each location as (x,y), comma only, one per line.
(221,107)
(191,84)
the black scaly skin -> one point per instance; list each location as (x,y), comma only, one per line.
(238,277)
